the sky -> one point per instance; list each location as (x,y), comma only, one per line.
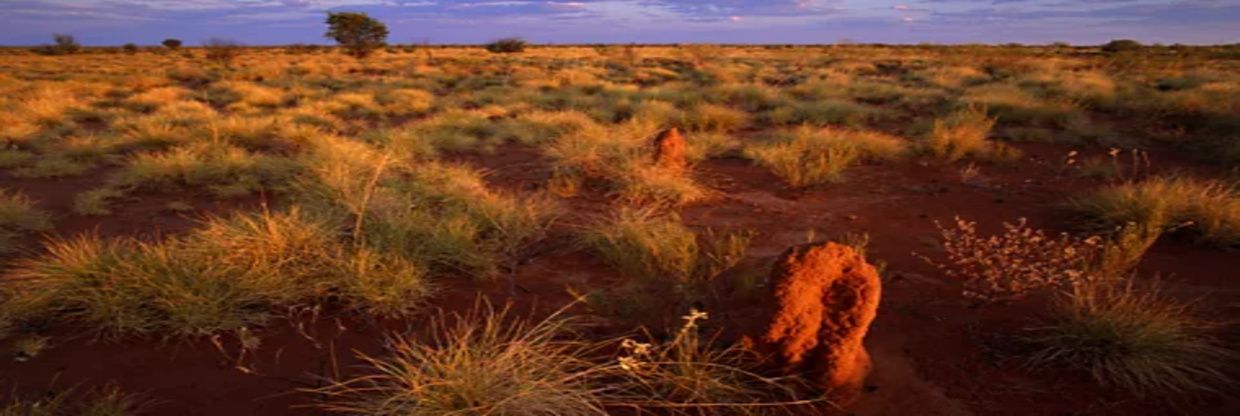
(264,22)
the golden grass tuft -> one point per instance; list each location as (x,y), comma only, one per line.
(658,247)
(808,156)
(483,363)
(965,134)
(233,273)
(488,362)
(1208,208)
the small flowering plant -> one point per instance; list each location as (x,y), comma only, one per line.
(1020,260)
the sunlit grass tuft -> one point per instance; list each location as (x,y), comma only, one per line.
(1210,209)
(808,156)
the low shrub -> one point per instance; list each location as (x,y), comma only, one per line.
(507,45)
(1015,263)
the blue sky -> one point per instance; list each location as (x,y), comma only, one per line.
(257,22)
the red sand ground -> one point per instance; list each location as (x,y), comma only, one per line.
(934,353)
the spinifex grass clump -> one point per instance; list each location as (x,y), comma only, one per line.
(19,216)
(690,374)
(622,156)
(440,215)
(487,362)
(224,169)
(1210,209)
(231,274)
(659,248)
(965,134)
(1140,340)
(808,156)
(490,362)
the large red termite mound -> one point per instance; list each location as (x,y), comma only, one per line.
(670,149)
(826,296)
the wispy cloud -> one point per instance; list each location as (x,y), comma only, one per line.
(910,21)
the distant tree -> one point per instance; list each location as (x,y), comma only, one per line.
(1121,45)
(358,33)
(507,45)
(130,48)
(62,45)
(66,43)
(170,43)
(222,50)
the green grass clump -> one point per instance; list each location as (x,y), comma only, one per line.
(96,201)
(440,215)
(485,363)
(18,216)
(823,112)
(660,248)
(622,156)
(808,156)
(1138,340)
(1210,209)
(231,274)
(689,374)
(223,169)
(1013,105)
(714,118)
(488,362)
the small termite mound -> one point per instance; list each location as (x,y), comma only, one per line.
(825,297)
(670,149)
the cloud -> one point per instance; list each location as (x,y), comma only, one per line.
(281,21)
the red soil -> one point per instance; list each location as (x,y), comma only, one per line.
(934,352)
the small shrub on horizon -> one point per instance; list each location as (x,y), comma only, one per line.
(507,45)
(222,51)
(63,44)
(1121,45)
